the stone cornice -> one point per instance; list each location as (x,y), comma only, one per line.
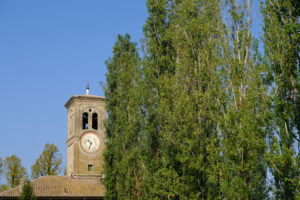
(83,97)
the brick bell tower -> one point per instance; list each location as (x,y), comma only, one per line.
(85,143)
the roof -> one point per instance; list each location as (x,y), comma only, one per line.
(84,97)
(61,186)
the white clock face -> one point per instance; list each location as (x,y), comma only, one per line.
(90,142)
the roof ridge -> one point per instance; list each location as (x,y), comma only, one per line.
(55,185)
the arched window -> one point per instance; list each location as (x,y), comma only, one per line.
(95,121)
(85,121)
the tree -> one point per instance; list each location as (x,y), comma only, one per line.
(202,104)
(14,170)
(48,163)
(123,126)
(157,66)
(4,187)
(27,192)
(282,47)
(244,108)
(185,84)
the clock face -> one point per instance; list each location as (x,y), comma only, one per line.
(90,142)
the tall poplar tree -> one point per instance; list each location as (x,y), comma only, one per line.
(191,141)
(182,55)
(244,108)
(282,52)
(123,124)
(158,66)
(192,120)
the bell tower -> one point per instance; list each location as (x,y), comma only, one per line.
(85,142)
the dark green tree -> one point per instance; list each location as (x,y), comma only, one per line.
(48,163)
(157,68)
(282,47)
(187,137)
(123,125)
(27,192)
(14,170)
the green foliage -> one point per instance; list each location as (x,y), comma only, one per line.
(197,118)
(27,191)
(14,170)
(182,102)
(4,187)
(48,163)
(122,126)
(281,39)
(244,108)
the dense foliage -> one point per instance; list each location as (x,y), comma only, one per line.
(27,192)
(123,124)
(48,163)
(282,39)
(14,170)
(204,114)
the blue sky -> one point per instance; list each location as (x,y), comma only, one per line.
(48,52)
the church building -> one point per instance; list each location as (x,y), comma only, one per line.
(85,145)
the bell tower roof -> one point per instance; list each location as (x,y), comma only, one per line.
(83,97)
(86,97)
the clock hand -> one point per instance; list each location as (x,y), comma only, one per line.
(90,144)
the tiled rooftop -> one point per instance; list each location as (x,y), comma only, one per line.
(62,186)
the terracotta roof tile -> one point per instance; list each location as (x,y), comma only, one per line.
(62,186)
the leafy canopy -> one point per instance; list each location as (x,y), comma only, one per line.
(48,163)
(14,170)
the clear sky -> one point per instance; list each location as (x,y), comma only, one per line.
(48,52)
